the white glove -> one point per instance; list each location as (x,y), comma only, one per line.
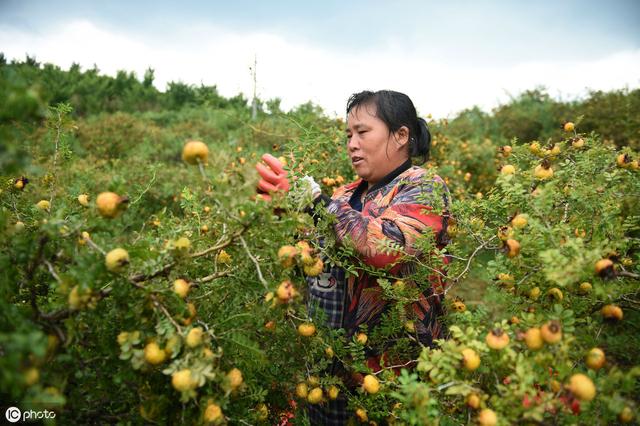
(313,185)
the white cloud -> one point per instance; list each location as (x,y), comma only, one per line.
(298,73)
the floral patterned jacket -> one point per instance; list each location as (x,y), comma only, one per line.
(395,209)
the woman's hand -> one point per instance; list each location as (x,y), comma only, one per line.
(273,177)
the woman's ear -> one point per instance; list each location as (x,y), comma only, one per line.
(402,136)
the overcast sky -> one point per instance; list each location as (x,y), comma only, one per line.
(446,56)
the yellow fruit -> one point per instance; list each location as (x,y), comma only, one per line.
(470,359)
(551,332)
(508,169)
(306,329)
(333,392)
(371,384)
(315,269)
(302,390)
(116,260)
(533,338)
(194,337)
(534,293)
(458,306)
(585,288)
(182,381)
(497,339)
(286,291)
(582,387)
(534,148)
(626,415)
(181,245)
(234,376)
(181,288)
(506,150)
(605,268)
(595,359)
(192,314)
(31,376)
(514,320)
(410,326)
(76,300)
(213,413)
(612,312)
(577,142)
(362,338)
(329,352)
(315,396)
(569,126)
(224,257)
(542,173)
(172,344)
(263,412)
(83,199)
(361,414)
(487,417)
(623,160)
(519,221)
(287,256)
(153,354)
(512,247)
(555,293)
(555,150)
(195,152)
(123,336)
(473,401)
(110,204)
(43,205)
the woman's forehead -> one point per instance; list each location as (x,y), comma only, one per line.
(362,114)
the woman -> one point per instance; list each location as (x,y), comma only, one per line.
(386,203)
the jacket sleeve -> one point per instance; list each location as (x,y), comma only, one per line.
(406,217)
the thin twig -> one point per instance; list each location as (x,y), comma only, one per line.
(53,271)
(153,179)
(471,258)
(213,276)
(255,262)
(160,306)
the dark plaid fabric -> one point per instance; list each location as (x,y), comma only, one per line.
(330,413)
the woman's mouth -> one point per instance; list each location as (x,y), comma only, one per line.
(356,160)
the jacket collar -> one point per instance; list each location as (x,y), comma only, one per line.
(361,184)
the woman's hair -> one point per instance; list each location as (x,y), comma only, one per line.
(395,109)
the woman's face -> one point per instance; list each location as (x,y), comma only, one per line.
(373,150)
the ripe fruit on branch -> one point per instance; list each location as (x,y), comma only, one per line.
(555,293)
(410,326)
(315,396)
(519,221)
(195,152)
(577,142)
(512,247)
(585,288)
(507,169)
(613,312)
(306,329)
(182,381)
(315,269)
(83,199)
(582,387)
(487,417)
(543,171)
(20,183)
(110,204)
(287,256)
(153,354)
(473,401)
(43,205)
(533,338)
(506,151)
(116,260)
(534,293)
(569,126)
(333,392)
(194,337)
(497,339)
(329,352)
(181,288)
(624,161)
(223,257)
(213,413)
(470,359)
(362,338)
(595,359)
(286,291)
(371,384)
(361,414)
(551,332)
(458,306)
(505,232)
(302,390)
(534,148)
(234,378)
(605,268)
(626,415)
